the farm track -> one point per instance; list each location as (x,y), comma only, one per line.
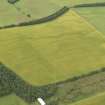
(67,91)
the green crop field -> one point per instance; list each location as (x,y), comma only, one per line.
(71,45)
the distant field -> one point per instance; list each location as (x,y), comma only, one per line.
(53,51)
(96,17)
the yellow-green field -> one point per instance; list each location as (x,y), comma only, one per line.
(53,51)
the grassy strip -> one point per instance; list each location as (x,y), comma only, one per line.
(39,21)
(67,91)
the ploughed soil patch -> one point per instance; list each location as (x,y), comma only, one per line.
(60,93)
